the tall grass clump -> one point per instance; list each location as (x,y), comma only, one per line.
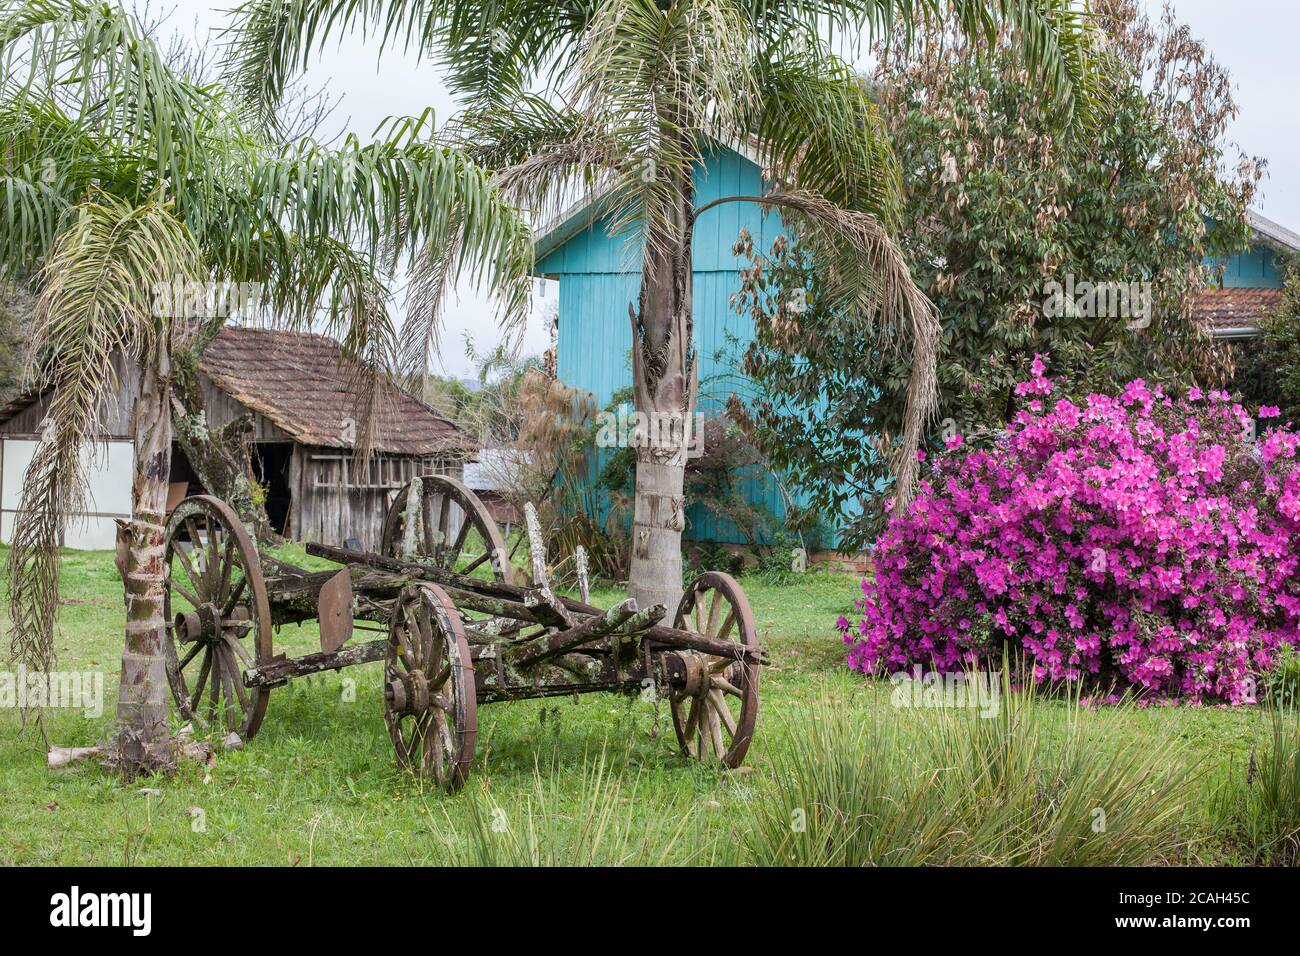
(601,820)
(1038,783)
(1257,812)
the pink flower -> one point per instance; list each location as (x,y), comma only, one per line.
(1269,411)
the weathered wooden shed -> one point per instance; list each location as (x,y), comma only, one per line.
(295,387)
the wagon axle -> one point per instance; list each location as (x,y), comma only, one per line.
(459,632)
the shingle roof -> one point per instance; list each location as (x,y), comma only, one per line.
(1237,308)
(300,382)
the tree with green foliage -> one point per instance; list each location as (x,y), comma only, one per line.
(626,98)
(1008,214)
(124,175)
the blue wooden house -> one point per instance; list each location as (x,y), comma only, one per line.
(599,275)
(1251,284)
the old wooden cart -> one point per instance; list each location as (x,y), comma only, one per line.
(457,632)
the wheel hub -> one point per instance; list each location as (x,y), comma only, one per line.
(408,693)
(202,624)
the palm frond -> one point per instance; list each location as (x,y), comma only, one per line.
(96,308)
(867,277)
(819,128)
(96,62)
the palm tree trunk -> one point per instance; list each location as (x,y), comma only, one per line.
(143,742)
(664,387)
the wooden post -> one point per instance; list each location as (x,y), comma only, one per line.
(414,514)
(580,559)
(536,547)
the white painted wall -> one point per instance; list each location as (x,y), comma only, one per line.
(111,465)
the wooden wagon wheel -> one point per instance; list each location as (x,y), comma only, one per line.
(450,513)
(218,617)
(714,711)
(430,704)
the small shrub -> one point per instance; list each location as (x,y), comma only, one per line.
(713,556)
(1138,541)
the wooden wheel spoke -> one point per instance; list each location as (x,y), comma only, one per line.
(728,622)
(232,600)
(204,670)
(723,711)
(238,648)
(693,716)
(701,728)
(196,550)
(715,732)
(183,555)
(453,553)
(216,567)
(190,655)
(440,541)
(227,565)
(476,562)
(721,665)
(426,522)
(214,687)
(237,679)
(713,613)
(228,688)
(443,676)
(724,685)
(184,592)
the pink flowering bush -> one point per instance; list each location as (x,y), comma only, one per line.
(1139,541)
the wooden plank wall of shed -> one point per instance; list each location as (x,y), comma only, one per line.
(331,503)
(115,414)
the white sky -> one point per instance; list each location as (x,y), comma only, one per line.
(1254,39)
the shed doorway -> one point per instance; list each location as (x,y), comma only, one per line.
(271,463)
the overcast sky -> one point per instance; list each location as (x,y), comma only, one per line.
(1254,39)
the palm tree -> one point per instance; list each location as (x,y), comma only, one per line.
(626,97)
(122,176)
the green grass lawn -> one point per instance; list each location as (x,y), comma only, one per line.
(319,783)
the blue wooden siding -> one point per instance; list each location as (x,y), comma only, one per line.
(599,275)
(1254,269)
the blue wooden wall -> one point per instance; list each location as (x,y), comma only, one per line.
(1254,269)
(599,275)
